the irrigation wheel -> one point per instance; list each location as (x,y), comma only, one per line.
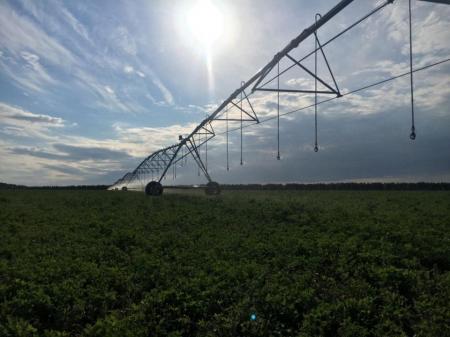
(154,188)
(212,188)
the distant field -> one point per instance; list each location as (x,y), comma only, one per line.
(309,263)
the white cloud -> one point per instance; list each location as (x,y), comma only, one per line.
(35,74)
(128,69)
(148,139)
(29,48)
(32,52)
(165,92)
(106,96)
(109,90)
(61,21)
(122,39)
(18,116)
(22,78)
(18,33)
(154,101)
(304,82)
(432,34)
(168,97)
(386,67)
(431,27)
(76,25)
(66,159)
(19,122)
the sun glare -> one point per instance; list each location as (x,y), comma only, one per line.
(205,22)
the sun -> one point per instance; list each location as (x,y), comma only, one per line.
(205,22)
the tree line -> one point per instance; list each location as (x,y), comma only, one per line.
(5,186)
(344,186)
(420,186)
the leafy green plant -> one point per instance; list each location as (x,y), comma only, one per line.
(306,263)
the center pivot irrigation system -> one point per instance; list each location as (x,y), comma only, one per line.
(238,106)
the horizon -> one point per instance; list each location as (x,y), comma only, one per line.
(253,184)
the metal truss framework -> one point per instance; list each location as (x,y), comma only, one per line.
(155,167)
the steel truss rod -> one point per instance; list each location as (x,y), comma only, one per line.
(228,159)
(240,108)
(331,90)
(172,157)
(252,118)
(170,161)
(295,42)
(354,91)
(127,178)
(235,120)
(149,163)
(365,17)
(278,112)
(296,91)
(412,135)
(445,2)
(326,62)
(206,155)
(167,156)
(180,158)
(316,40)
(317,78)
(193,150)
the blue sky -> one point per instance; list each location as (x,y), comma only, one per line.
(89,88)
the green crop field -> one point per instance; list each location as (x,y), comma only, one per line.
(286,263)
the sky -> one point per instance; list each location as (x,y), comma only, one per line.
(90,88)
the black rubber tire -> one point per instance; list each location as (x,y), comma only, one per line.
(154,188)
(212,188)
(124,189)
